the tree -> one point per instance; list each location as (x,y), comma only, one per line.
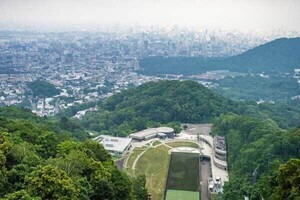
(21,150)
(73,163)
(85,188)
(43,89)
(288,180)
(96,151)
(122,186)
(139,187)
(65,147)
(5,143)
(47,142)
(103,189)
(20,195)
(48,182)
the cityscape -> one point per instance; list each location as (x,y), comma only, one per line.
(90,66)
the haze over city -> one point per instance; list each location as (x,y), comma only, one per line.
(228,14)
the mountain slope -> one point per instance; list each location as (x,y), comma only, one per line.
(152,104)
(280,55)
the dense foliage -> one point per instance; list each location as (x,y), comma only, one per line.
(37,162)
(170,102)
(61,125)
(281,55)
(256,150)
(154,104)
(286,115)
(272,88)
(43,89)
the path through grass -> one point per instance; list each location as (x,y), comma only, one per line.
(154,164)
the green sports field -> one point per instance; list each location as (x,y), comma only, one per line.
(181,195)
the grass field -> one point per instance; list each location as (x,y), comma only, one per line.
(181,195)
(182,144)
(155,143)
(134,155)
(154,164)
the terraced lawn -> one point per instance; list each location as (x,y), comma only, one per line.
(154,164)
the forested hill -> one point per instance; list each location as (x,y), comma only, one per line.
(185,101)
(157,103)
(170,102)
(280,55)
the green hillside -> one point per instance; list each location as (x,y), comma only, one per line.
(156,103)
(170,102)
(279,55)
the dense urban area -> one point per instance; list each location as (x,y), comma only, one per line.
(79,67)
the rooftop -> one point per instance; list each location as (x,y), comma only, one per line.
(151,131)
(111,143)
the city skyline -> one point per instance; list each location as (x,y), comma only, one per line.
(240,15)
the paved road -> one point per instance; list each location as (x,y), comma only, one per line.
(194,129)
(205,174)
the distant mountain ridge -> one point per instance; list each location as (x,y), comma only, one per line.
(280,55)
(283,54)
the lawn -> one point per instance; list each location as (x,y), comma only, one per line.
(181,195)
(132,158)
(182,144)
(154,164)
(155,143)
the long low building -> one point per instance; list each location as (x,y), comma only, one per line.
(153,133)
(116,146)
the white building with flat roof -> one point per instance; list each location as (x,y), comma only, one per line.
(116,146)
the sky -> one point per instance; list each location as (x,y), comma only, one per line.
(221,14)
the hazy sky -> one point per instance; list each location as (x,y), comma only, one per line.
(222,14)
